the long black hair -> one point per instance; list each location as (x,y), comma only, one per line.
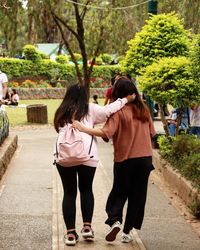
(123,87)
(73,107)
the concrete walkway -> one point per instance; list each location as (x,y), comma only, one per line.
(31,196)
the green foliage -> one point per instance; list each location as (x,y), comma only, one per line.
(195,59)
(28,84)
(165,145)
(77,56)
(162,36)
(31,53)
(53,70)
(63,59)
(170,81)
(183,152)
(43,55)
(106,72)
(195,208)
(15,67)
(98,61)
(106,58)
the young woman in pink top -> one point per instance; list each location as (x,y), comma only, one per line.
(131,129)
(75,106)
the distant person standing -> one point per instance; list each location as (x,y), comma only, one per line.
(95,99)
(195,120)
(3,86)
(109,91)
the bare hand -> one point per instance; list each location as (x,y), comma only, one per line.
(131,98)
(78,125)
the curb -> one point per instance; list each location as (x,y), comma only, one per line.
(182,187)
(7,150)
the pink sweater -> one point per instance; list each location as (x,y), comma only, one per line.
(98,114)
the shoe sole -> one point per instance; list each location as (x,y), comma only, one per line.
(70,243)
(88,237)
(126,241)
(111,236)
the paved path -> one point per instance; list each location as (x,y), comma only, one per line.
(30,204)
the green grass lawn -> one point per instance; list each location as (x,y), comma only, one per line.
(17,115)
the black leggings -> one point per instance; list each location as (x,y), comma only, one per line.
(130,184)
(69,180)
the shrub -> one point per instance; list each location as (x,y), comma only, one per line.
(169,81)
(195,59)
(28,84)
(98,61)
(183,152)
(43,84)
(106,58)
(15,67)
(12,84)
(163,36)
(31,53)
(77,56)
(62,59)
(52,70)
(106,72)
(43,55)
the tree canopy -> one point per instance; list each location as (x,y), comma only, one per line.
(162,36)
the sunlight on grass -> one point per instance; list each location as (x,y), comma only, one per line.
(17,115)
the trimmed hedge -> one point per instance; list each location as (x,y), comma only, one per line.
(183,152)
(50,69)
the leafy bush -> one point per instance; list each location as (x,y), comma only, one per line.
(62,59)
(195,59)
(12,84)
(43,84)
(106,58)
(77,56)
(98,61)
(31,53)
(15,67)
(163,36)
(43,55)
(28,84)
(183,152)
(106,72)
(169,81)
(52,70)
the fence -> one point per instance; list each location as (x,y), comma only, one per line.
(4,126)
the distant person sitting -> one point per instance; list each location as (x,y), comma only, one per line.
(7,98)
(14,98)
(95,97)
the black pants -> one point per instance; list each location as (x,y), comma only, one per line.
(69,180)
(130,183)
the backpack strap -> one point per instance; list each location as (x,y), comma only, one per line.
(91,146)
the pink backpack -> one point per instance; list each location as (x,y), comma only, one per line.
(70,149)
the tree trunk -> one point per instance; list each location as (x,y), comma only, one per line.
(37,113)
(163,119)
(179,118)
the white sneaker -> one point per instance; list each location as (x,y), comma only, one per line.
(126,238)
(70,239)
(114,230)
(87,233)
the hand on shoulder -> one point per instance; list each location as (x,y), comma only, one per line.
(131,98)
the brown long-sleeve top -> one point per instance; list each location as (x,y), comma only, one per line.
(131,137)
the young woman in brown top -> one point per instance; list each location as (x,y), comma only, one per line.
(131,129)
